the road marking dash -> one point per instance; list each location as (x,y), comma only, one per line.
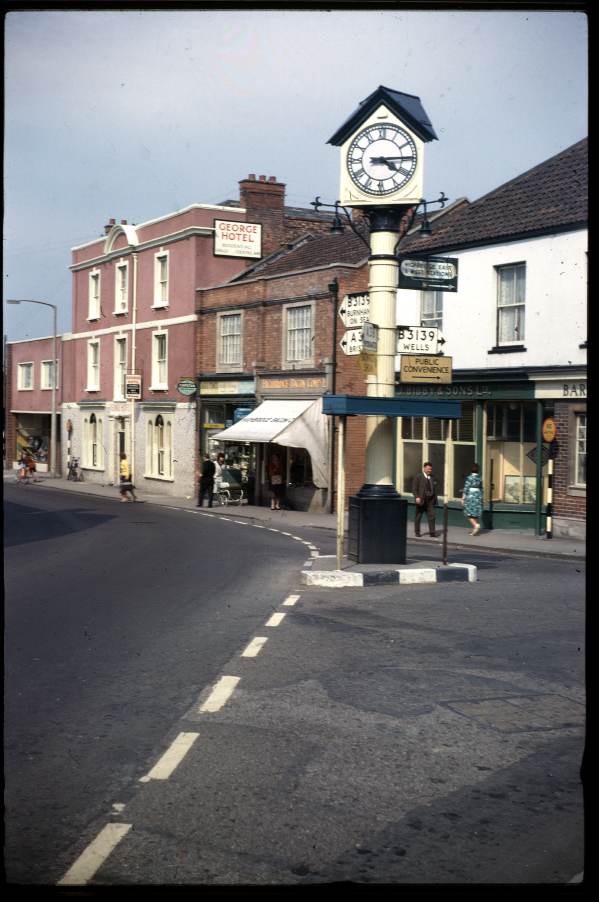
(171,758)
(92,858)
(220,695)
(255,647)
(275,619)
(291,600)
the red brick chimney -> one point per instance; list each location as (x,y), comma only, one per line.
(264,202)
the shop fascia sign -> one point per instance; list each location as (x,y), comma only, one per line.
(237,239)
(428,273)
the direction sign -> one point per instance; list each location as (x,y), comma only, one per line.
(351,343)
(425,369)
(429,273)
(418,340)
(354,309)
(370,337)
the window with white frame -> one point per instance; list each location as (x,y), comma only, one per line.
(159,447)
(229,340)
(159,361)
(93,442)
(94,295)
(511,295)
(580,461)
(25,377)
(121,287)
(161,279)
(120,368)
(299,334)
(49,367)
(431,309)
(93,365)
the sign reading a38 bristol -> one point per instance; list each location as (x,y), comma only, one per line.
(429,273)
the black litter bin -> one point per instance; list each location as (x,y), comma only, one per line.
(377,531)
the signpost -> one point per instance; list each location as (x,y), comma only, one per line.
(354,309)
(351,342)
(425,369)
(429,273)
(418,340)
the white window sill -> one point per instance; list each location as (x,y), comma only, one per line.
(93,469)
(160,306)
(120,312)
(90,389)
(159,478)
(158,388)
(93,319)
(25,389)
(48,388)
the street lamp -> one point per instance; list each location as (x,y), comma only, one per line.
(54,378)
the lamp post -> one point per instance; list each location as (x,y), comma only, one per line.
(54,379)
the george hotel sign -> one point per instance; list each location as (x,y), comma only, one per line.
(237,239)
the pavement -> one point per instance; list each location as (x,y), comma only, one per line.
(512,541)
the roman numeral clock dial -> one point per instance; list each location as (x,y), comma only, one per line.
(381,159)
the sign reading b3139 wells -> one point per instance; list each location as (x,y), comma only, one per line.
(429,273)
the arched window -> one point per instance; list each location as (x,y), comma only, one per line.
(93,445)
(159,450)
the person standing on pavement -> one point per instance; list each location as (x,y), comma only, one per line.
(472,499)
(207,480)
(275,476)
(125,484)
(424,489)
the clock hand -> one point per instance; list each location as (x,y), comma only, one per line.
(388,161)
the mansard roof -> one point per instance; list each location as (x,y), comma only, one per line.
(551,197)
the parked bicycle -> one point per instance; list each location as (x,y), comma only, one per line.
(74,473)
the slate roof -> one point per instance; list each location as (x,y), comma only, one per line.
(407,107)
(551,197)
(310,252)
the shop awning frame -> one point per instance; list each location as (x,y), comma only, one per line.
(362,405)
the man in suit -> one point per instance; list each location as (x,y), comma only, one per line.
(424,489)
(207,481)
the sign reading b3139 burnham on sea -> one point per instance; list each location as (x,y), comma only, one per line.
(425,369)
(429,273)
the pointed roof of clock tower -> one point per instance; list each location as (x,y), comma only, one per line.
(406,107)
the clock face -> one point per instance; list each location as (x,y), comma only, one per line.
(381,159)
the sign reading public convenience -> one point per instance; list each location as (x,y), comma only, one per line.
(429,273)
(418,340)
(354,309)
(425,369)
(237,239)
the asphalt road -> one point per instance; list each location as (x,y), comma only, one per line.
(428,736)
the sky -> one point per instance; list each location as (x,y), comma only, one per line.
(135,113)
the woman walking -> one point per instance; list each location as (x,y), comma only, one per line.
(472,499)
(125,484)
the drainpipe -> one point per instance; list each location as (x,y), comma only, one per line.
(334,290)
(133,362)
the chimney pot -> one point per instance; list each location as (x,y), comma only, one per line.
(272,178)
(252,177)
(262,178)
(123,222)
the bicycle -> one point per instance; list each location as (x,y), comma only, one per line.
(74,473)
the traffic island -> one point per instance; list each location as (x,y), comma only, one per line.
(323,571)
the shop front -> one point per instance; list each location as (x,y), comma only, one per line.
(500,429)
(286,432)
(33,437)
(221,404)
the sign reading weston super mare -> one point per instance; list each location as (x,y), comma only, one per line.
(429,273)
(237,239)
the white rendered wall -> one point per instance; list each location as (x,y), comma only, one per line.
(556,304)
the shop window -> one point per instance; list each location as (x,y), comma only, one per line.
(159,457)
(511,289)
(229,342)
(93,442)
(511,433)
(431,309)
(93,308)
(580,463)
(25,377)
(299,334)
(448,444)
(300,467)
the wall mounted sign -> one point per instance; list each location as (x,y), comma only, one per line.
(187,386)
(226,387)
(237,239)
(549,429)
(429,273)
(292,384)
(133,387)
(425,369)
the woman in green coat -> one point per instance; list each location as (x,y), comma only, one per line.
(472,499)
